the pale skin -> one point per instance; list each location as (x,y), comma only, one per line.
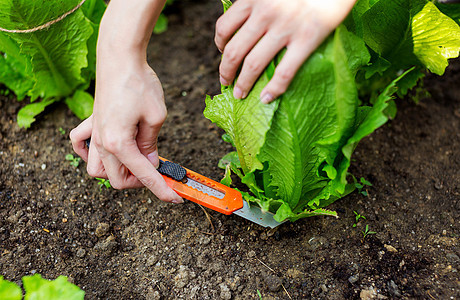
(129,107)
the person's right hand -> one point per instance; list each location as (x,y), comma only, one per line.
(128,113)
(129,107)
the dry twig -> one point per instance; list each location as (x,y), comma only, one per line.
(284,288)
(208,217)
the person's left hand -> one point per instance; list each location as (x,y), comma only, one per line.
(252,32)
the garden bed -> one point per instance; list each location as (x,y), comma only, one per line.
(56,220)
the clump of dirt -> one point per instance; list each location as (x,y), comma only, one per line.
(56,220)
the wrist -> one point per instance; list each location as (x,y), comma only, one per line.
(126,28)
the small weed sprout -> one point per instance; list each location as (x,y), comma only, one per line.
(61,130)
(103,182)
(5,92)
(74,161)
(357,218)
(259,294)
(366,232)
(360,186)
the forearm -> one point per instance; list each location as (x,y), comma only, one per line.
(127,26)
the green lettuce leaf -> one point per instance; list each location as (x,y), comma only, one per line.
(14,67)
(314,119)
(57,54)
(436,38)
(9,290)
(451,10)
(93,10)
(27,114)
(161,24)
(245,121)
(38,288)
(54,63)
(81,104)
(411,32)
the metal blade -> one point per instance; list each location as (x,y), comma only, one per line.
(204,188)
(253,213)
(256,215)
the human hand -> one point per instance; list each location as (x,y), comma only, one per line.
(129,111)
(252,32)
(129,107)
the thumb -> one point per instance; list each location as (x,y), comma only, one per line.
(147,138)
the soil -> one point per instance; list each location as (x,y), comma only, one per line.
(56,220)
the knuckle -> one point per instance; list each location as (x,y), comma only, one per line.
(231,55)
(280,89)
(72,135)
(116,184)
(221,29)
(110,143)
(156,120)
(161,116)
(253,66)
(284,75)
(92,171)
(265,15)
(149,182)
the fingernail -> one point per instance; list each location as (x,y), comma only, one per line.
(153,158)
(266,98)
(238,93)
(223,81)
(178,201)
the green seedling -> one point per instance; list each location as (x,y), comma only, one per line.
(367,232)
(357,218)
(360,186)
(74,161)
(103,182)
(259,294)
(5,92)
(61,130)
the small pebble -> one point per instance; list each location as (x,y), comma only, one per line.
(102,229)
(43,166)
(81,252)
(390,248)
(353,279)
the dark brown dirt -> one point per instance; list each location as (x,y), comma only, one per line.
(56,220)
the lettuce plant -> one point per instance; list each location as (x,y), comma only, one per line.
(162,22)
(294,153)
(53,64)
(38,288)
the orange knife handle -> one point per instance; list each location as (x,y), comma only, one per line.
(231,201)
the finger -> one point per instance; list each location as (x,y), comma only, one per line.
(79,135)
(285,71)
(95,167)
(147,138)
(256,62)
(238,47)
(230,22)
(119,176)
(140,166)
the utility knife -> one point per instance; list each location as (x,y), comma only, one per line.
(209,193)
(212,194)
